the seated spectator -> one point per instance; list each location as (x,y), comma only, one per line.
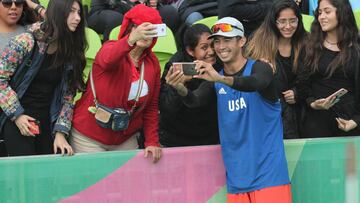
(180,125)
(37,97)
(191,11)
(125,79)
(304,6)
(331,62)
(168,13)
(107,14)
(279,40)
(251,13)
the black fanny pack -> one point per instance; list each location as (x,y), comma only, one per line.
(114,118)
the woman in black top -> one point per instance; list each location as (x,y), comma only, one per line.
(331,62)
(37,98)
(279,40)
(180,125)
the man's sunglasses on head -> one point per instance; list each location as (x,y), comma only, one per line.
(9,3)
(224,27)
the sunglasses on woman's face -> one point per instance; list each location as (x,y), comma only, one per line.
(9,3)
(223,27)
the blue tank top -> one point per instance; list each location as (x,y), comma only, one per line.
(251,136)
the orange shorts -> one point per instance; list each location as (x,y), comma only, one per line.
(278,194)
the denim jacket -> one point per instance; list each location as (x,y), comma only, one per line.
(61,109)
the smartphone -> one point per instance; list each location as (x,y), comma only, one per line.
(161,30)
(35,127)
(338,94)
(188,68)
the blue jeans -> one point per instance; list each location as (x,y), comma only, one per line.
(193,17)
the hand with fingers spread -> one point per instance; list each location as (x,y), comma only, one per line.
(61,143)
(144,31)
(22,122)
(207,72)
(323,104)
(346,125)
(289,96)
(153,151)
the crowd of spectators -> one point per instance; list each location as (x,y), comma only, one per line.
(306,74)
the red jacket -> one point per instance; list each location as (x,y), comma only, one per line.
(112,71)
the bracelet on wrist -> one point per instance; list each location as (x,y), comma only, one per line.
(38,8)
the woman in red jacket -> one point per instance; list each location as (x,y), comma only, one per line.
(116,77)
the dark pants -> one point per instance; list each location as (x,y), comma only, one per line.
(251,15)
(170,17)
(104,21)
(20,145)
(3,151)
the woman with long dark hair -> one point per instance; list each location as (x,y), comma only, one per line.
(331,62)
(279,40)
(179,124)
(40,72)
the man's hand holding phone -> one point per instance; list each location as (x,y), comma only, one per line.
(207,72)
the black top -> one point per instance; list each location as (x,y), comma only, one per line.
(260,80)
(318,85)
(284,77)
(39,95)
(180,125)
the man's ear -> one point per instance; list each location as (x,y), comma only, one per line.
(190,51)
(242,41)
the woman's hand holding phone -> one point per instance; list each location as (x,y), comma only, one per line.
(175,78)
(323,104)
(24,125)
(144,31)
(329,101)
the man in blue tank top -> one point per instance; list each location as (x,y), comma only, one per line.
(249,117)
